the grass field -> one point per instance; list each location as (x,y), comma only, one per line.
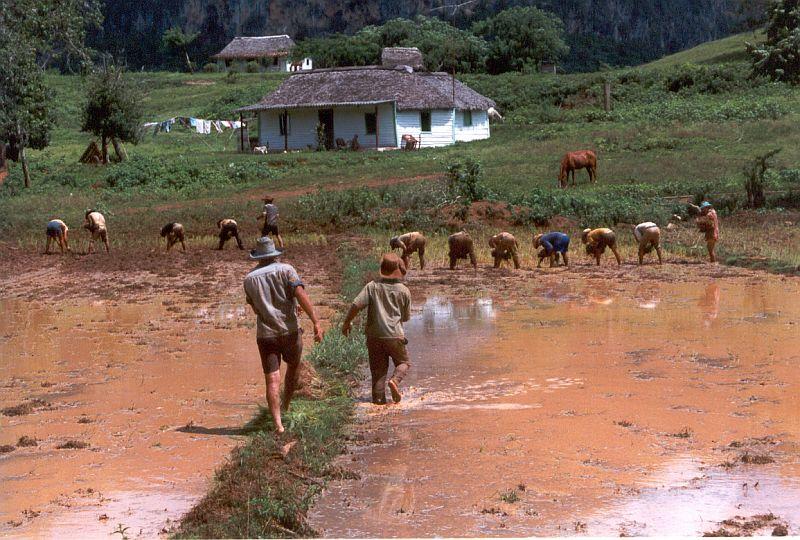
(656,143)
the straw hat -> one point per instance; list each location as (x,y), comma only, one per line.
(265,249)
(392,267)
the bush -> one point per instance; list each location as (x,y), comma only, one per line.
(755,174)
(252,67)
(465,181)
(211,67)
(152,175)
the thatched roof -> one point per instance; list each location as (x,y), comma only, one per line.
(371,85)
(247,48)
(401,56)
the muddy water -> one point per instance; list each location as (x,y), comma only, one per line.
(159,391)
(585,410)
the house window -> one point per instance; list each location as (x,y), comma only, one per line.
(425,120)
(371,123)
(283,123)
(467,118)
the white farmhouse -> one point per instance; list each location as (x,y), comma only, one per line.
(270,53)
(378,104)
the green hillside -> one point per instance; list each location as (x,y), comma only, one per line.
(721,51)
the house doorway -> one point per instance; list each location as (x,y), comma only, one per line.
(326,120)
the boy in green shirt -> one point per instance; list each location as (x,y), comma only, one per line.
(388,304)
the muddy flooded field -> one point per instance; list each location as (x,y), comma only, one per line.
(116,415)
(599,407)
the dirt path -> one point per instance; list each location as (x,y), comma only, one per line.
(257,194)
(653,401)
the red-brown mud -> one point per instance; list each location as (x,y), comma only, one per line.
(606,402)
(136,374)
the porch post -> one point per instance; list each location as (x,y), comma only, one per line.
(377,130)
(285,130)
(241,132)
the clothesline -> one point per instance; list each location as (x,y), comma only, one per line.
(200,125)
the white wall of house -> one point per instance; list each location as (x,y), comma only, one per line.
(305,65)
(441,133)
(477,131)
(347,121)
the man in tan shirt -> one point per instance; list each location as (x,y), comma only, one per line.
(388,304)
(597,240)
(504,246)
(95,223)
(410,243)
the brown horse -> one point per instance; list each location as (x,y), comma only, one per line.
(572,161)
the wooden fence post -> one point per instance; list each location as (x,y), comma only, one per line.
(607,96)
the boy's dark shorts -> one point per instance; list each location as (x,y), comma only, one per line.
(270,229)
(288,348)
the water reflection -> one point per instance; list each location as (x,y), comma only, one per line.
(709,304)
(443,315)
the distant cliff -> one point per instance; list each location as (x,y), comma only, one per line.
(616,32)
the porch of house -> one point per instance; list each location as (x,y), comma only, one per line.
(296,129)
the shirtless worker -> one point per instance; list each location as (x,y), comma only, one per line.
(388,304)
(57,230)
(270,216)
(597,240)
(460,246)
(648,237)
(95,223)
(174,233)
(228,228)
(273,289)
(504,246)
(552,244)
(410,243)
(708,223)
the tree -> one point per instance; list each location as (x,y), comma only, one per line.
(25,115)
(55,29)
(34,33)
(520,37)
(443,46)
(113,109)
(339,50)
(755,178)
(176,41)
(779,57)
(751,14)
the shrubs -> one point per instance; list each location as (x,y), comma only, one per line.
(755,174)
(181,175)
(252,67)
(211,67)
(465,181)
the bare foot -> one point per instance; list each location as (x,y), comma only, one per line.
(396,395)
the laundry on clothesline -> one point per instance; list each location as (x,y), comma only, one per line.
(199,125)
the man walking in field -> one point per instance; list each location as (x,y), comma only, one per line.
(270,217)
(388,304)
(273,289)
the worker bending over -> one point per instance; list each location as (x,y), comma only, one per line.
(552,244)
(57,230)
(648,237)
(597,240)
(174,233)
(95,223)
(228,228)
(410,243)
(461,247)
(504,247)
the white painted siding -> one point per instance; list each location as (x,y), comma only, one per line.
(441,133)
(302,129)
(478,130)
(347,121)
